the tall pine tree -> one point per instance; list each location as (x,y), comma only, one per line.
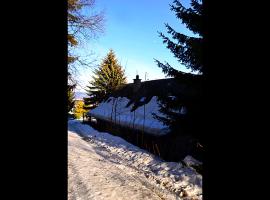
(187,49)
(183,114)
(106,79)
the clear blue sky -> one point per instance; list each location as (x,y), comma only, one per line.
(131,31)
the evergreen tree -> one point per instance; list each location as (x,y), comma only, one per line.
(106,79)
(71,97)
(188,51)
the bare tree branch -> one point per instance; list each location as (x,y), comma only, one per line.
(83,23)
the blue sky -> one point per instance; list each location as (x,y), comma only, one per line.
(131,30)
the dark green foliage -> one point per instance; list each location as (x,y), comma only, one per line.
(106,79)
(188,51)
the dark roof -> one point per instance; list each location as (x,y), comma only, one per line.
(161,87)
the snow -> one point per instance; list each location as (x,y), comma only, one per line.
(142,99)
(103,166)
(190,161)
(116,110)
(172,97)
(183,110)
(80,95)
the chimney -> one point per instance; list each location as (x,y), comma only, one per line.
(137,83)
(137,80)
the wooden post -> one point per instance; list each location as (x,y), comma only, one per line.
(153,148)
(157,150)
(143,121)
(142,139)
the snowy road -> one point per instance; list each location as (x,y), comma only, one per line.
(96,170)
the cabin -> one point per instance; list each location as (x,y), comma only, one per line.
(130,113)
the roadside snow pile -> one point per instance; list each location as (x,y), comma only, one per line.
(182,180)
(116,110)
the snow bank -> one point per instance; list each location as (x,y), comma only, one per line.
(182,180)
(116,111)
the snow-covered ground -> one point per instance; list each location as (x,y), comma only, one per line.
(103,166)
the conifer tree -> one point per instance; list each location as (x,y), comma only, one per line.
(71,97)
(183,113)
(106,79)
(187,49)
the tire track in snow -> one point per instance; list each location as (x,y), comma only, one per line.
(78,189)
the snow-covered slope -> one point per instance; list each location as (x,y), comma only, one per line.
(116,110)
(183,182)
